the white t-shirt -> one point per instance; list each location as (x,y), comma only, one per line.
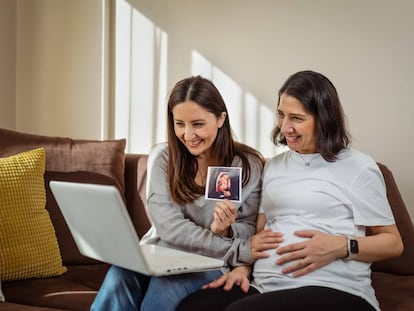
(338,198)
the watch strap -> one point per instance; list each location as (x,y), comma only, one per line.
(353,248)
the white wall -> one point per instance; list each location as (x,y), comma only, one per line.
(364,47)
(8,64)
(59,68)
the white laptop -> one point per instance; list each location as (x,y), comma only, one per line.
(102,229)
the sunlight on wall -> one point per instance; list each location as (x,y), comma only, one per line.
(140,79)
(141,50)
(251,120)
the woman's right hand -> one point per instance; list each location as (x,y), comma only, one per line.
(225,213)
(263,241)
(238,276)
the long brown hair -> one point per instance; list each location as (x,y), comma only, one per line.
(182,165)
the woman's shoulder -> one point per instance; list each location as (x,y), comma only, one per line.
(159,150)
(158,155)
(279,158)
(355,157)
(354,164)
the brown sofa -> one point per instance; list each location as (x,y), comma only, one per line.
(75,289)
(393,279)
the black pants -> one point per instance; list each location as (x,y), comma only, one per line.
(303,298)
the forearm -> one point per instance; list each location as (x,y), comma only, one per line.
(245,225)
(379,246)
(371,248)
(243,229)
(179,232)
(320,249)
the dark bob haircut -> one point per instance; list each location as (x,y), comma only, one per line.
(319,97)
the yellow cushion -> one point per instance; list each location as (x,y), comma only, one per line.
(29,248)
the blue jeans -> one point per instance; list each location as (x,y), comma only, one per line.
(124,290)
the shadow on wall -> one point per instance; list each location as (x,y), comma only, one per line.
(141,52)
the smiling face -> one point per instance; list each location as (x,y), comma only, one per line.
(296,124)
(196,127)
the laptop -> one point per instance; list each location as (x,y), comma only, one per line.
(102,229)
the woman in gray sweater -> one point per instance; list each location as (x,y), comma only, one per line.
(199,136)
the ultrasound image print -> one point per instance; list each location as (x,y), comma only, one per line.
(224,183)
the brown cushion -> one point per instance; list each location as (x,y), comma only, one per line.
(93,161)
(71,155)
(75,290)
(394,292)
(136,178)
(402,265)
(68,248)
(8,306)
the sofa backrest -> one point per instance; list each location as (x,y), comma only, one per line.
(402,265)
(89,161)
(135,191)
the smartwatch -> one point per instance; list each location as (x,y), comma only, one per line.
(352,248)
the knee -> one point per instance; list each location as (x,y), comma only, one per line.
(121,290)
(120,277)
(117,273)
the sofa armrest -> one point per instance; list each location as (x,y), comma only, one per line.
(401,265)
(135,191)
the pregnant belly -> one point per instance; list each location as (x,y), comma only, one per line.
(288,226)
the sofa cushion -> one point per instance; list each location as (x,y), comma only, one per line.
(8,306)
(1,294)
(68,248)
(67,159)
(71,155)
(394,292)
(28,242)
(74,290)
(402,265)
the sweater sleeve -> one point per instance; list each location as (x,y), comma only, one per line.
(245,225)
(187,227)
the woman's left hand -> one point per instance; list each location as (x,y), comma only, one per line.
(319,250)
(225,214)
(238,276)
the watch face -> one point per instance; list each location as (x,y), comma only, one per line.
(353,246)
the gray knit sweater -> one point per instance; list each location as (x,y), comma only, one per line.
(188,227)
